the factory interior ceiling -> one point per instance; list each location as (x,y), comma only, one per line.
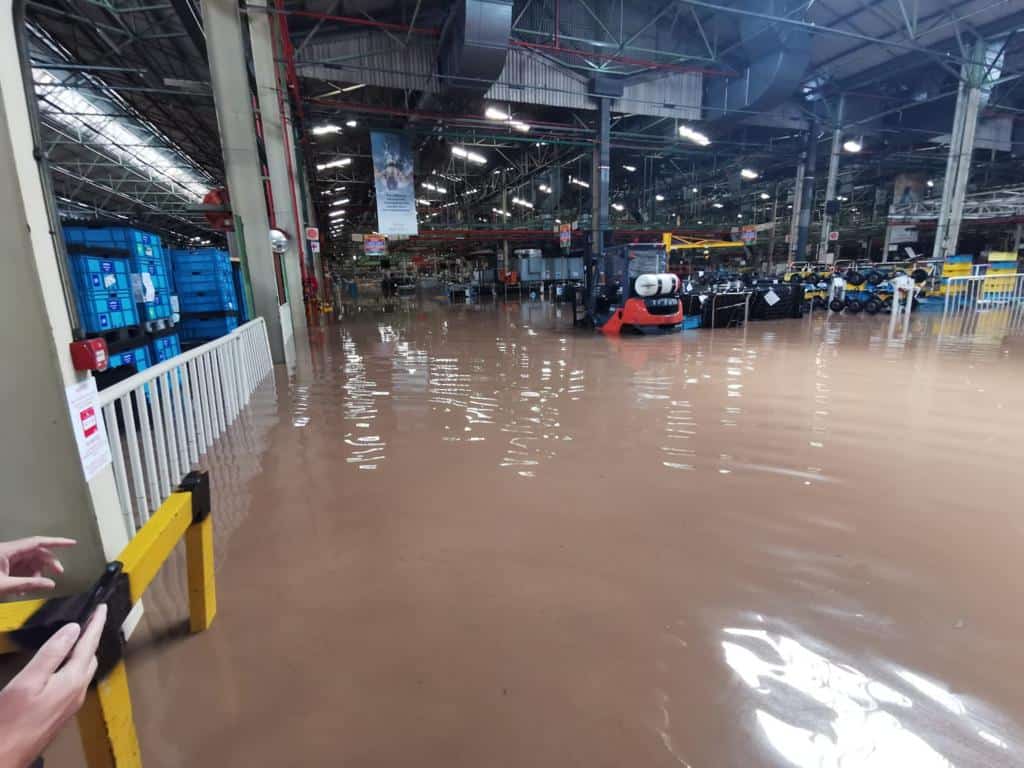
(710,103)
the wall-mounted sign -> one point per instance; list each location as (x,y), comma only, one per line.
(375,245)
(312,233)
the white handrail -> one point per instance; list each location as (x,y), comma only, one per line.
(166,417)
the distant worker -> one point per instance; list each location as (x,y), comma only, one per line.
(50,689)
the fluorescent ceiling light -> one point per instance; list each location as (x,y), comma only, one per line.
(341,202)
(558,221)
(717,205)
(853,145)
(544,188)
(432,188)
(421,201)
(699,221)
(765,196)
(748,173)
(630,168)
(351,123)
(696,137)
(523,203)
(579,182)
(519,125)
(930,183)
(694,190)
(660,198)
(334,163)
(334,214)
(618,206)
(500,213)
(739,215)
(350,88)
(321,130)
(473,157)
(493,113)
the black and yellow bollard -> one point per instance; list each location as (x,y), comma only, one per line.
(105,720)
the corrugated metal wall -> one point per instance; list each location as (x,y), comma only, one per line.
(374,59)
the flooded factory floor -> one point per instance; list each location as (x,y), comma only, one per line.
(472,536)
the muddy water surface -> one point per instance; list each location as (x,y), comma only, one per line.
(471,536)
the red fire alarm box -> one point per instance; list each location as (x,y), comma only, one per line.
(90,355)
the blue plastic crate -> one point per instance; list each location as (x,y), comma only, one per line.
(99,274)
(165,347)
(138,357)
(206,328)
(104,311)
(214,300)
(139,243)
(201,260)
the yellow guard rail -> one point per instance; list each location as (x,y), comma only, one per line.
(105,721)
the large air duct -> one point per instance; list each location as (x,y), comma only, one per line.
(777,57)
(474,44)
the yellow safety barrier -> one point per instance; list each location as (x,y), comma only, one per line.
(105,721)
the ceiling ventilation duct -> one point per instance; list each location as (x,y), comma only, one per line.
(474,44)
(776,61)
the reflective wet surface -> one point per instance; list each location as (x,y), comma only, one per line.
(472,536)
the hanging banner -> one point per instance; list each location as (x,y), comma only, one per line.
(375,245)
(394,184)
(565,236)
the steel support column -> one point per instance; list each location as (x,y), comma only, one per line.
(229,79)
(961,149)
(599,180)
(833,175)
(273,113)
(807,193)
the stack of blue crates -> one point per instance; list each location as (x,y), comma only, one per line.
(144,253)
(139,357)
(164,346)
(103,291)
(206,293)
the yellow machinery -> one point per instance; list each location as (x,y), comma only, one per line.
(105,721)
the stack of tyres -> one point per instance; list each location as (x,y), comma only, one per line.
(206,294)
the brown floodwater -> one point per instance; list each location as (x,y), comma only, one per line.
(472,536)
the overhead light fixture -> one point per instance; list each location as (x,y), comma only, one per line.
(765,196)
(519,125)
(842,198)
(699,221)
(558,221)
(334,164)
(493,113)
(433,188)
(630,168)
(523,203)
(466,154)
(618,206)
(321,130)
(717,205)
(694,190)
(579,182)
(422,201)
(334,214)
(660,198)
(351,123)
(930,183)
(500,213)
(350,88)
(739,215)
(696,137)
(854,145)
(749,174)
(544,188)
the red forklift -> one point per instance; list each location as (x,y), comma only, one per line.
(633,292)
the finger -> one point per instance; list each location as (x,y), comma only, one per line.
(12,585)
(48,561)
(85,650)
(21,546)
(51,655)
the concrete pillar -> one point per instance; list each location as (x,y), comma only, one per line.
(798,195)
(232,97)
(807,195)
(961,149)
(45,491)
(599,179)
(277,144)
(833,176)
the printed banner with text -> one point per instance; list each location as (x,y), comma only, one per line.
(393,180)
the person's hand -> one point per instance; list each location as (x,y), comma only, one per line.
(24,561)
(44,695)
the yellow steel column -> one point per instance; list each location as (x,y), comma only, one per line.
(106,726)
(202,587)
